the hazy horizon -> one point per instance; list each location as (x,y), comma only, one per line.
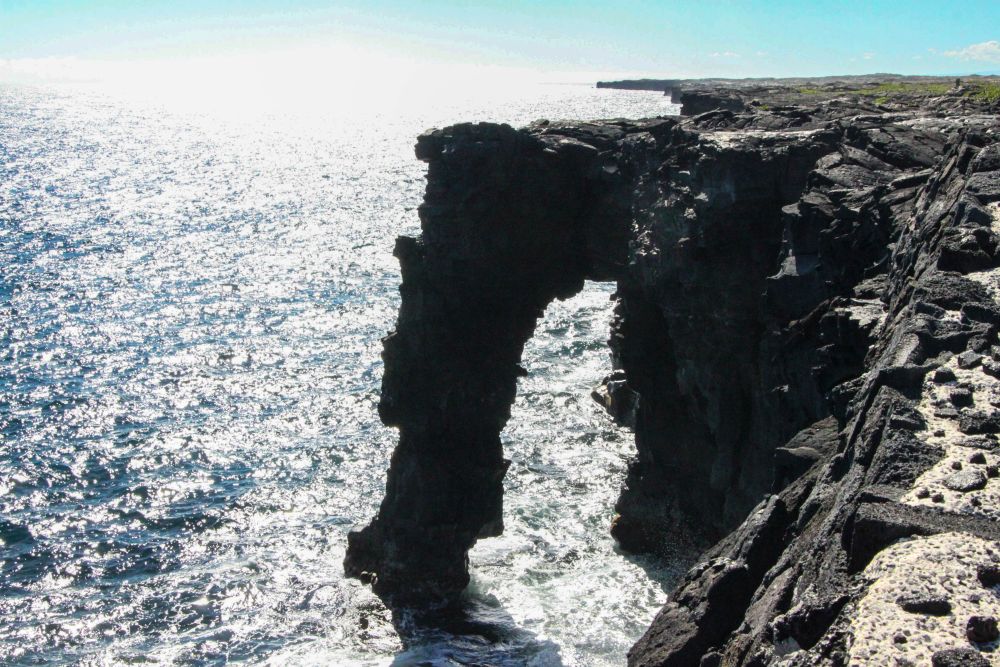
(354,43)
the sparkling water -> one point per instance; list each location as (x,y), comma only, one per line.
(191,302)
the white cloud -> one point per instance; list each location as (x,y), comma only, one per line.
(868,56)
(985,52)
(724,54)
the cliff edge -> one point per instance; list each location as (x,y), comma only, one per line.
(805,339)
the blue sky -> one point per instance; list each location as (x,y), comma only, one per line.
(678,38)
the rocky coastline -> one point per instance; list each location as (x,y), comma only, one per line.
(805,344)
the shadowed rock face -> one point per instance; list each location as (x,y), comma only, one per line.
(511,221)
(879,224)
(782,293)
(508,218)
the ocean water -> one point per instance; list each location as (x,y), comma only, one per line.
(191,302)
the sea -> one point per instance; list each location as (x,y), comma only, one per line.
(192,298)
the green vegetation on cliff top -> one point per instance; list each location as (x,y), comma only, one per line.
(988,92)
(886,89)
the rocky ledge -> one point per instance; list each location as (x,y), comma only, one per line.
(805,344)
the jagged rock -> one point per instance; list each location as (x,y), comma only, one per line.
(978,443)
(961,397)
(701,612)
(815,443)
(974,423)
(615,396)
(694,103)
(981,629)
(787,278)
(910,420)
(711,660)
(959,657)
(989,575)
(932,606)
(981,312)
(901,459)
(943,375)
(969,360)
(968,480)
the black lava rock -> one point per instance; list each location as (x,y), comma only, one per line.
(923,604)
(776,291)
(959,657)
(961,397)
(982,629)
(978,443)
(974,423)
(967,480)
(988,575)
(969,360)
(943,375)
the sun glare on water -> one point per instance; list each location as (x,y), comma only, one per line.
(206,250)
(334,79)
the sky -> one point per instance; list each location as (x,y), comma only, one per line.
(575,40)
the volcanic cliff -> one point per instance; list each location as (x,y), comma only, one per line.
(806,347)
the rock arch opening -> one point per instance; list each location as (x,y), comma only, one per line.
(568,459)
(691,229)
(509,224)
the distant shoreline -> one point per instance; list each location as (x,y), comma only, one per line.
(887,91)
(877,77)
